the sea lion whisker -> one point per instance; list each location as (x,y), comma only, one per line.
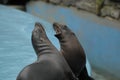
(43,49)
(42,45)
(44,52)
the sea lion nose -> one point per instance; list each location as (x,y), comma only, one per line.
(39,27)
(37,24)
(55,24)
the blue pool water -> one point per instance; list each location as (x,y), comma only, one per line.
(15,41)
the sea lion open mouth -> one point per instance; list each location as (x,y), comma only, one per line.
(57,28)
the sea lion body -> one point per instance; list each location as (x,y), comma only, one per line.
(70,47)
(50,65)
(72,51)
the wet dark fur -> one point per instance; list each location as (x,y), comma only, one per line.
(50,65)
(72,51)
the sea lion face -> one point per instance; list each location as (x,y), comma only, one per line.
(38,37)
(38,34)
(62,31)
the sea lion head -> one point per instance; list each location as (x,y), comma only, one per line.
(62,31)
(38,32)
(38,36)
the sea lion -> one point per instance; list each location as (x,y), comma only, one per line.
(50,65)
(72,51)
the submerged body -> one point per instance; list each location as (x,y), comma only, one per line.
(50,65)
(72,51)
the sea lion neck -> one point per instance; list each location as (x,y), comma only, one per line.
(44,47)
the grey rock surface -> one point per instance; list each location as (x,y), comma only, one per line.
(104,8)
(88,5)
(110,11)
(43,0)
(69,2)
(108,2)
(118,6)
(55,1)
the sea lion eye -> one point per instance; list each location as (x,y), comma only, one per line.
(40,30)
(73,33)
(65,27)
(41,39)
